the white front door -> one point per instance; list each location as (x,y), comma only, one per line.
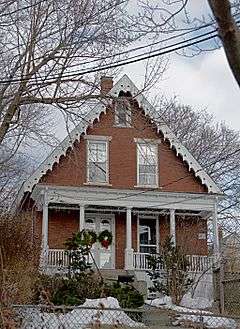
(104,257)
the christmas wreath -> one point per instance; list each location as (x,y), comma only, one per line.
(105,238)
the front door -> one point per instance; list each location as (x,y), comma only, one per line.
(104,257)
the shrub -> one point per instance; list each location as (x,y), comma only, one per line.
(174,281)
(18,263)
(127,295)
(60,290)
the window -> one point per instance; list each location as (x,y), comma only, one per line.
(97,166)
(122,113)
(147,235)
(147,164)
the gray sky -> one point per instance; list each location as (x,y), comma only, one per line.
(204,81)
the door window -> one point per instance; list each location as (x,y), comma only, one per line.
(147,235)
(102,256)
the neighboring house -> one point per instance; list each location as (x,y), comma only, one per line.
(121,171)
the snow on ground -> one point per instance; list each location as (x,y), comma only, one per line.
(188,307)
(80,318)
(196,302)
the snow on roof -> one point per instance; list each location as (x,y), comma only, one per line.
(124,84)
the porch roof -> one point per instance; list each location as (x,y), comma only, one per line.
(102,196)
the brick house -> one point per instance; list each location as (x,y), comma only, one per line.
(122,171)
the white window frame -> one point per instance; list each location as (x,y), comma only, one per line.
(128,114)
(99,140)
(150,217)
(153,143)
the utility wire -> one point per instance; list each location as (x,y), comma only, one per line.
(134,59)
(161,51)
(150,44)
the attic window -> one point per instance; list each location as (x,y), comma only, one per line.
(122,113)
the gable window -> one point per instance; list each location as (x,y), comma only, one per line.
(97,161)
(147,161)
(122,113)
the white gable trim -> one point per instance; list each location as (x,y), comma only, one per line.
(124,84)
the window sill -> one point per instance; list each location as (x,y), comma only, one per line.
(147,186)
(97,184)
(122,126)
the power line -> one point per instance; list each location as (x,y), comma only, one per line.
(151,44)
(132,60)
(151,54)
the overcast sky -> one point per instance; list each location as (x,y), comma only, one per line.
(204,81)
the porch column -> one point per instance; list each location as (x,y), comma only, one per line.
(44,251)
(216,246)
(173,226)
(81,217)
(45,226)
(129,249)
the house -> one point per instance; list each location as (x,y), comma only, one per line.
(122,171)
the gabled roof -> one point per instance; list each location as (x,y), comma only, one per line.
(124,84)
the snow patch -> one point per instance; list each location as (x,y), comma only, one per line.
(193,312)
(196,302)
(81,317)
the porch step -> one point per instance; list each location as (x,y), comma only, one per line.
(139,283)
(113,274)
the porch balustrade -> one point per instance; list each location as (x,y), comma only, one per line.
(197,263)
(59,258)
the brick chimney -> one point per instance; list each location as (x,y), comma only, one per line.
(106,84)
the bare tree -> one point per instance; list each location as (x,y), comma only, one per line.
(44,45)
(171,17)
(216,147)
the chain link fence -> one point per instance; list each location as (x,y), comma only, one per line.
(49,317)
(226,280)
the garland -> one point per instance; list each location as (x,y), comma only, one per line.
(105,238)
(89,237)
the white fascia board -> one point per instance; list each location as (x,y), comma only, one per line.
(124,198)
(124,84)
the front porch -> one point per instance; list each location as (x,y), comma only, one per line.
(139,222)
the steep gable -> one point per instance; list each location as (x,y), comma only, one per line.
(179,171)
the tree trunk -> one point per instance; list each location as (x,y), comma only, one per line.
(229,33)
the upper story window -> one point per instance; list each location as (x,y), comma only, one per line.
(147,162)
(122,112)
(97,160)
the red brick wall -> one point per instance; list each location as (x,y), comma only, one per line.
(187,230)
(187,235)
(123,167)
(61,226)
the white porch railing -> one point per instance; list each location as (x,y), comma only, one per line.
(60,258)
(200,263)
(197,263)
